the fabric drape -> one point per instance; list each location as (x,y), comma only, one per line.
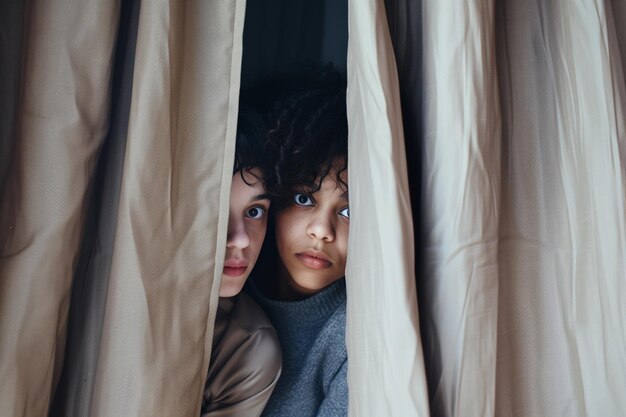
(157,326)
(11,41)
(74,391)
(503,173)
(385,365)
(461,196)
(61,116)
(562,256)
(150,295)
(523,202)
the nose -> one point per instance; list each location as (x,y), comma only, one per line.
(237,235)
(321,227)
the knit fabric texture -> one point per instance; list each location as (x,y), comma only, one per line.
(311,333)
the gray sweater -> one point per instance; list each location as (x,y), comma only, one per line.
(311,333)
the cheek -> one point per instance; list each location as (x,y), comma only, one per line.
(256,233)
(342,241)
(285,225)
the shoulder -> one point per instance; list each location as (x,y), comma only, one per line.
(259,342)
(249,317)
(336,323)
(247,361)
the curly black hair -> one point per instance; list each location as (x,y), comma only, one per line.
(309,138)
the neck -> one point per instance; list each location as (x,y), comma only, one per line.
(287,289)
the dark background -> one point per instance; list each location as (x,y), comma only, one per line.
(287,41)
(282,36)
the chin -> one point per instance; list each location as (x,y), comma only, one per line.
(313,284)
(231,287)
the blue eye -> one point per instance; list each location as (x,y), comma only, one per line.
(345,212)
(302,199)
(255,212)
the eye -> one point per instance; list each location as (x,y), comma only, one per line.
(345,212)
(302,199)
(255,212)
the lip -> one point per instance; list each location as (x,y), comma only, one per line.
(235,267)
(314,259)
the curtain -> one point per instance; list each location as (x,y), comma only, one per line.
(116,196)
(487,157)
(57,127)
(515,112)
(385,361)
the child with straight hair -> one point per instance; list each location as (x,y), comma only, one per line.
(246,358)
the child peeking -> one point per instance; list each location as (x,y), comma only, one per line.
(246,359)
(306,301)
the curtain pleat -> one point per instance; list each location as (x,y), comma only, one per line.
(562,258)
(386,370)
(506,180)
(11,40)
(522,291)
(89,288)
(61,122)
(618,24)
(461,206)
(171,223)
(405,27)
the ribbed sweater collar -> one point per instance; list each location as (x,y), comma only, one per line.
(310,311)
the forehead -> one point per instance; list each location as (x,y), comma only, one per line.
(247,182)
(332,184)
(251,175)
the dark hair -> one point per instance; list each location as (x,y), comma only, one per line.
(308,138)
(249,149)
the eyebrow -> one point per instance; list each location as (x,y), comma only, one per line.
(344,196)
(261,197)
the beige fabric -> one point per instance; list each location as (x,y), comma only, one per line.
(62,121)
(385,366)
(562,255)
(461,195)
(245,362)
(173,209)
(524,295)
(525,227)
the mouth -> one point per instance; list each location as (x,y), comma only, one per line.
(234,268)
(314,259)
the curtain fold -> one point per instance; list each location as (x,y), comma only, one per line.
(61,122)
(405,27)
(617,10)
(562,258)
(385,368)
(503,174)
(523,202)
(73,396)
(11,40)
(461,205)
(144,297)
(174,196)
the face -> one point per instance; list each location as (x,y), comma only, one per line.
(247,223)
(312,237)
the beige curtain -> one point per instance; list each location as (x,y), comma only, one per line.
(385,366)
(516,112)
(562,256)
(174,198)
(513,202)
(461,199)
(61,121)
(159,299)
